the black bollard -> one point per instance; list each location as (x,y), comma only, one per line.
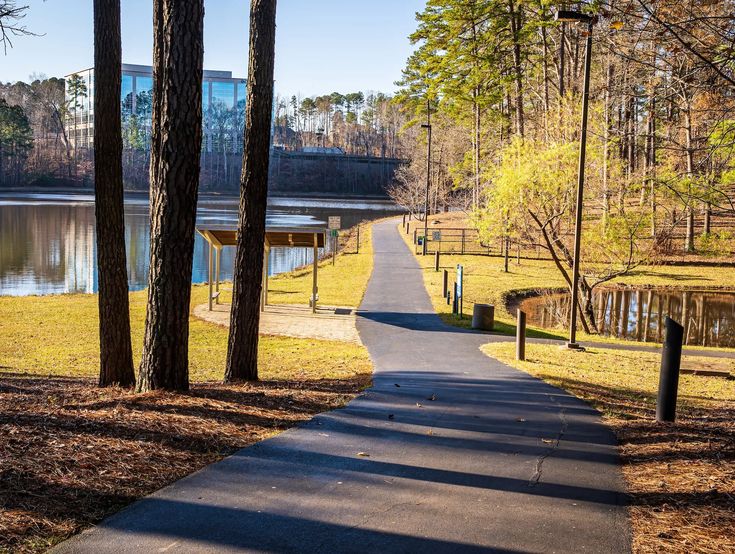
(445,283)
(436,261)
(668,381)
(404,220)
(455,306)
(521,336)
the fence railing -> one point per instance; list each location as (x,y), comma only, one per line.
(451,241)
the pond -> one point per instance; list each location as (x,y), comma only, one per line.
(47,240)
(708,316)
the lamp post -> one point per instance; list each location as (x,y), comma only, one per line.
(567,16)
(427,126)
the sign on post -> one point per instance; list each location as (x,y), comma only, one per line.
(334,224)
(436,236)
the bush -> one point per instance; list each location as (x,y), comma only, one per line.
(715,244)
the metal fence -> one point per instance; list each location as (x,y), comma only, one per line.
(456,240)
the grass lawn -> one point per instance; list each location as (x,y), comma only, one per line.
(486,282)
(681,477)
(72,453)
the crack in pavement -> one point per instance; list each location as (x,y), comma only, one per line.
(538,470)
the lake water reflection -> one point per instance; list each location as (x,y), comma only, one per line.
(47,241)
(708,317)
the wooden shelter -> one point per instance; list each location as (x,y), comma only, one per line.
(220,236)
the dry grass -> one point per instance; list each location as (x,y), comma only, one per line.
(72,453)
(681,476)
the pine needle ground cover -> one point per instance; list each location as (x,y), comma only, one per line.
(681,476)
(72,454)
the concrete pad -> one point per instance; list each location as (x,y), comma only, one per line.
(328,323)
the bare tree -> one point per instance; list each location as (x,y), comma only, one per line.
(11,15)
(116,354)
(242,351)
(176,141)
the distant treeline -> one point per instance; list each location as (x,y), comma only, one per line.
(36,149)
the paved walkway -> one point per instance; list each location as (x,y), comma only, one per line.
(450,451)
(328,323)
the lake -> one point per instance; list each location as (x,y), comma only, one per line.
(708,316)
(47,240)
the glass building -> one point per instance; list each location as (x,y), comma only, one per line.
(223,103)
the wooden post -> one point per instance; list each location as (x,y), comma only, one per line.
(209,275)
(218,253)
(358,236)
(445,283)
(521,336)
(266,260)
(436,261)
(462,241)
(314,288)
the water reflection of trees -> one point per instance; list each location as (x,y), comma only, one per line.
(49,248)
(708,317)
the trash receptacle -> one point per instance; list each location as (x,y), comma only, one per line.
(483,317)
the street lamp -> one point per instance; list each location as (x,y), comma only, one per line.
(427,126)
(570,16)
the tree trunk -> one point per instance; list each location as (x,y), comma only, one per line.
(116,354)
(515,24)
(707,218)
(689,242)
(476,141)
(242,349)
(176,142)
(606,145)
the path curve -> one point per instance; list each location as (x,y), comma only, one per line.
(450,451)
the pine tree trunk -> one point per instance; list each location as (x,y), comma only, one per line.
(242,350)
(116,354)
(515,24)
(176,141)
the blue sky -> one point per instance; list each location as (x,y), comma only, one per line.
(321,45)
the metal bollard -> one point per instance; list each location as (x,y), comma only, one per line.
(521,336)
(455,306)
(445,283)
(668,381)
(436,261)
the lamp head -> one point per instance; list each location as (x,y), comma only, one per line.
(570,16)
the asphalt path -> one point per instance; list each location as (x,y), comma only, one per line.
(449,451)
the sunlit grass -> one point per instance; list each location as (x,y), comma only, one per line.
(58,334)
(486,282)
(633,375)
